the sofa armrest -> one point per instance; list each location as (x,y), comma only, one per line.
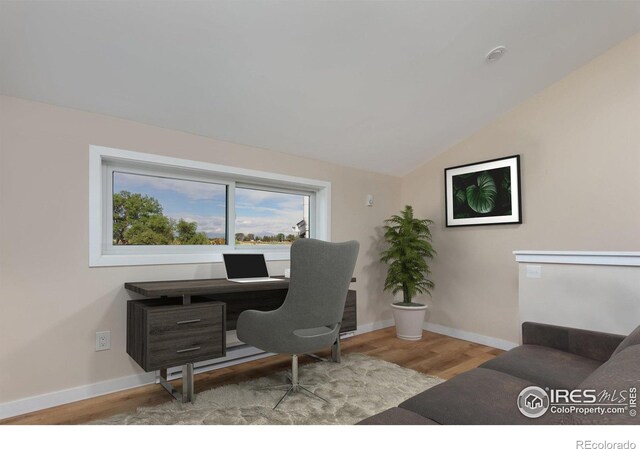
(591,344)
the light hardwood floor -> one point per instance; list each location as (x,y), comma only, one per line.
(435,354)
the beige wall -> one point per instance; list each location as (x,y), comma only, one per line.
(53,303)
(579,142)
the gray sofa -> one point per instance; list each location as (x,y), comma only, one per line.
(552,357)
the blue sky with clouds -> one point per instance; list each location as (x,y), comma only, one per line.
(258,212)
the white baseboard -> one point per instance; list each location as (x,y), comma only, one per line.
(40,402)
(47,400)
(470,336)
(370,327)
(444,330)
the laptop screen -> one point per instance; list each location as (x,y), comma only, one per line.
(242,266)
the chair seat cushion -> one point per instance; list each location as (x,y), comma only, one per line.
(272,332)
(397,416)
(313,332)
(543,366)
(479,396)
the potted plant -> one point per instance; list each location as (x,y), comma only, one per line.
(409,240)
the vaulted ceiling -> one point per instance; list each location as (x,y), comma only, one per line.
(378,85)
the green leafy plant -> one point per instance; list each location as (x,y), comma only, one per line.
(139,220)
(409,240)
(187,234)
(482,196)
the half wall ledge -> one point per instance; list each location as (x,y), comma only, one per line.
(623,259)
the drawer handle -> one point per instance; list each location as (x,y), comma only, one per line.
(195,348)
(188,321)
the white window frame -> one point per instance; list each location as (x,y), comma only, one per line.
(103,161)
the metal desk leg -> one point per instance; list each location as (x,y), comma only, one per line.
(161,379)
(187,384)
(335,351)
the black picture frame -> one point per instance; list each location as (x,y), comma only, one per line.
(483,193)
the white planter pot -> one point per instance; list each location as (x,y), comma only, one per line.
(409,321)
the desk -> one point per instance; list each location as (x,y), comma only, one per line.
(185,321)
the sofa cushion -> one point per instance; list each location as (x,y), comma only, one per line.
(632,339)
(479,396)
(543,366)
(620,374)
(397,416)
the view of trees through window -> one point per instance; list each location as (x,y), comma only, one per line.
(154,210)
(151,210)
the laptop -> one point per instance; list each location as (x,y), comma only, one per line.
(245,268)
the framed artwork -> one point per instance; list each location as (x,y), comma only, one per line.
(484,193)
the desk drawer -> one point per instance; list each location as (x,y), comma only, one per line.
(189,349)
(184,319)
(169,334)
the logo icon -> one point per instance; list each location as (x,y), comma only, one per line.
(533,402)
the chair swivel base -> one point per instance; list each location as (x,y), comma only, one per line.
(295,386)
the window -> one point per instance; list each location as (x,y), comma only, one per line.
(272,218)
(153,210)
(147,209)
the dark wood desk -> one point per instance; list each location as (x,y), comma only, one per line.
(185,321)
(202,287)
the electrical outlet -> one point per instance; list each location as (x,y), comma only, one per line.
(103,340)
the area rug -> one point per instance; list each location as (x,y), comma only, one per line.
(358,387)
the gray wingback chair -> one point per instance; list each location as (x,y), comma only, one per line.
(309,319)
